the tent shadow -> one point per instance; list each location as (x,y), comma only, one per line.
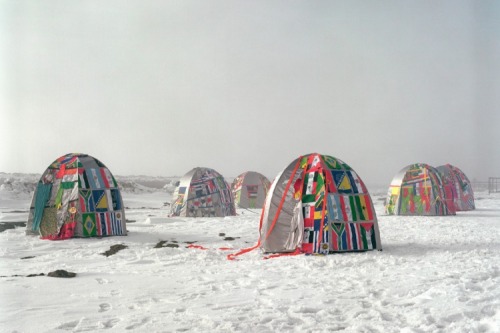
(145,237)
(483,210)
(420,249)
(479,212)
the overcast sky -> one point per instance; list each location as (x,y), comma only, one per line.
(160,87)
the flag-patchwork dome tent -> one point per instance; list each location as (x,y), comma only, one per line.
(461,188)
(419,189)
(77,196)
(202,192)
(318,204)
(250,189)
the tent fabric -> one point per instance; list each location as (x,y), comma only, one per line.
(318,205)
(77,196)
(250,189)
(41,197)
(202,192)
(461,188)
(419,189)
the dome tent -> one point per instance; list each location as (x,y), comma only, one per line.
(77,196)
(318,204)
(461,188)
(202,192)
(418,189)
(250,189)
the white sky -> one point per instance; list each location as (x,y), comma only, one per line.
(159,87)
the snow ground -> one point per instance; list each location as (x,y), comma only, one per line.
(435,274)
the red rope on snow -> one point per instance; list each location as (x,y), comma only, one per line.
(194,246)
(232,256)
(199,247)
(284,254)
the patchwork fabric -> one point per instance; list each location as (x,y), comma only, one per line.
(337,210)
(95,179)
(350,208)
(82,199)
(202,192)
(178,204)
(86,201)
(116,201)
(335,163)
(103,224)
(250,189)
(353,237)
(48,225)
(100,200)
(341,181)
(69,219)
(117,223)
(54,192)
(109,180)
(419,189)
(69,160)
(459,188)
(41,198)
(83,181)
(89,224)
(71,175)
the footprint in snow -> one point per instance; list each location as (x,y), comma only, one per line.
(116,292)
(70,325)
(110,323)
(104,307)
(102,281)
(139,324)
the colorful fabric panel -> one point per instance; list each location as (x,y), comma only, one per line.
(337,209)
(353,237)
(81,199)
(419,189)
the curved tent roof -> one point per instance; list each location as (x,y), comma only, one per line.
(250,189)
(202,192)
(418,189)
(77,196)
(461,188)
(318,204)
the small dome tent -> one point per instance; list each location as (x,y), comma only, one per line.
(77,196)
(418,189)
(202,192)
(318,204)
(250,189)
(461,188)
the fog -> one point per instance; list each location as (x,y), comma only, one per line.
(160,87)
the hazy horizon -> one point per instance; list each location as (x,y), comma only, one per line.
(160,87)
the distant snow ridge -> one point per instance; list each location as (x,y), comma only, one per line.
(13,185)
(146,184)
(170,187)
(18,184)
(133,187)
(21,184)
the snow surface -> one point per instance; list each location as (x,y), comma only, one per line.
(435,274)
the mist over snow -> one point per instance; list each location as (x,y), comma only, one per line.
(159,87)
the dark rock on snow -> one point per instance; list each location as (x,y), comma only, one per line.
(61,273)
